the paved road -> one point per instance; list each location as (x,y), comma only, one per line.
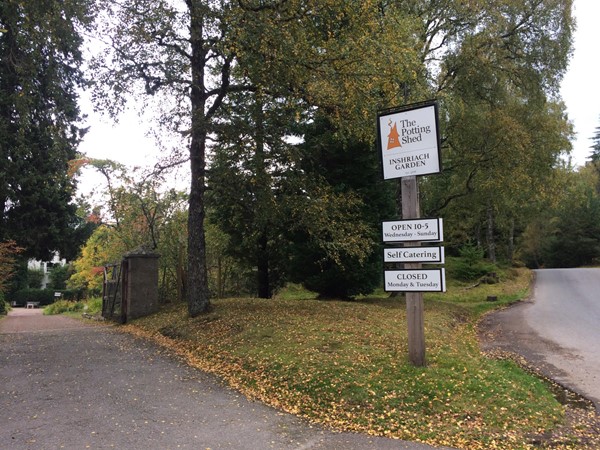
(566,311)
(65,384)
(557,330)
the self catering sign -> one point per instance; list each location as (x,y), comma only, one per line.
(428,255)
(409,141)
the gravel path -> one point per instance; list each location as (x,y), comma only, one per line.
(68,384)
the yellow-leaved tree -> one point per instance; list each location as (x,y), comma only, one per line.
(103,247)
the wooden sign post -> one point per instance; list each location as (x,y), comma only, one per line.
(409,142)
(411,209)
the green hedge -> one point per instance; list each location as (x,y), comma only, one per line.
(3,305)
(44,296)
(470,266)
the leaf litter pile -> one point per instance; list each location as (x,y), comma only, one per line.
(344,364)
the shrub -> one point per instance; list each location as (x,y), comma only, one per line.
(35,277)
(58,277)
(92,306)
(3,305)
(470,266)
(62,306)
(43,296)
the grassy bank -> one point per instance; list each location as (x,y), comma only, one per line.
(344,364)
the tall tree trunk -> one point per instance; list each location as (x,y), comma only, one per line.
(491,243)
(478,239)
(264,285)
(263,194)
(181,273)
(511,240)
(197,287)
(220,279)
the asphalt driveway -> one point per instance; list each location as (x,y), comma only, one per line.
(556,330)
(566,311)
(67,384)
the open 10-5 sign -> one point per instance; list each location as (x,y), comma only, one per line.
(411,230)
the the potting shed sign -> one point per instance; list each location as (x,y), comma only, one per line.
(409,141)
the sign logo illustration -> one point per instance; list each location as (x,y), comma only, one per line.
(393,137)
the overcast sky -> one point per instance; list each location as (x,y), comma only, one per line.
(580,88)
(128,144)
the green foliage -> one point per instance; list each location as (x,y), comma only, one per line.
(138,213)
(331,280)
(58,277)
(268,70)
(9,265)
(595,156)
(172,247)
(335,239)
(229,276)
(92,306)
(40,73)
(567,232)
(470,266)
(348,67)
(504,131)
(18,280)
(3,305)
(70,294)
(248,176)
(103,247)
(62,306)
(35,278)
(42,296)
(576,238)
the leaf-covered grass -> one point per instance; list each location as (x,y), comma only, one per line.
(345,364)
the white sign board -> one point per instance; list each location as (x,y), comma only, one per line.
(409,141)
(413,230)
(427,255)
(415,280)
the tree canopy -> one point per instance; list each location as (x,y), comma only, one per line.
(275,103)
(505,127)
(194,54)
(595,157)
(40,128)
